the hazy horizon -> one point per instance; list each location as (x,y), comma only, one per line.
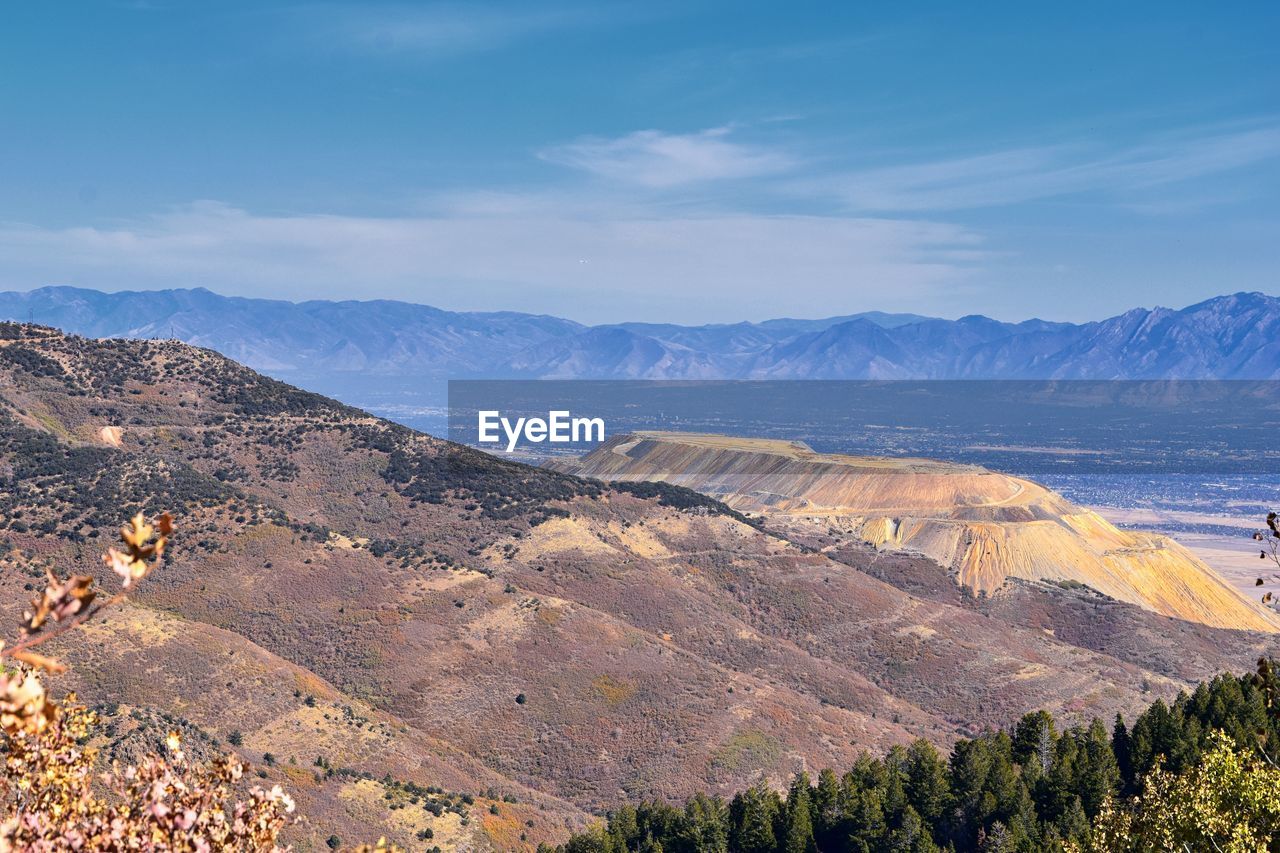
(568,316)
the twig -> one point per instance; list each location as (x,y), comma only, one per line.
(33,640)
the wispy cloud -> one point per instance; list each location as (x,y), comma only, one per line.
(1019,175)
(440,29)
(524,257)
(651,158)
(701,220)
(1143,177)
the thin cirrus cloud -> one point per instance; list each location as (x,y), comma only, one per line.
(624,245)
(1142,177)
(608,267)
(440,30)
(1016,176)
(657,160)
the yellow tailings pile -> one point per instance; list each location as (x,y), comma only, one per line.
(983,526)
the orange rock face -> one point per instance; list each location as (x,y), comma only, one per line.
(985,527)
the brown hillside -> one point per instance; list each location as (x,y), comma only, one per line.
(505,631)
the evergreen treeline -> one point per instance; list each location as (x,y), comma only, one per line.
(1030,789)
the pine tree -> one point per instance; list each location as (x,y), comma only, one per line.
(706,825)
(984,784)
(1099,774)
(912,836)
(1073,825)
(866,817)
(927,787)
(1060,784)
(659,820)
(999,840)
(1033,739)
(1156,734)
(593,841)
(1122,747)
(799,833)
(895,784)
(756,807)
(623,828)
(650,845)
(828,808)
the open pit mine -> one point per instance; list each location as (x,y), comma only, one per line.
(984,527)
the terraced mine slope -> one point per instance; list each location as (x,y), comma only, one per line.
(983,526)
(427,639)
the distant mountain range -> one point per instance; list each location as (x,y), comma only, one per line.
(1228,337)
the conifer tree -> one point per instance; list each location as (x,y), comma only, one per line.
(755,810)
(828,809)
(1034,737)
(927,788)
(1122,748)
(799,825)
(706,825)
(623,828)
(912,836)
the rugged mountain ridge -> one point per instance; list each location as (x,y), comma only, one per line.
(417,613)
(1228,337)
(982,526)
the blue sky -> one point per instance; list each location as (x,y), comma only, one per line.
(684,162)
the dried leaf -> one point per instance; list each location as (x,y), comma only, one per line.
(24,706)
(127,568)
(136,532)
(140,547)
(60,600)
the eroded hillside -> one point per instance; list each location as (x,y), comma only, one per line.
(983,526)
(387,613)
